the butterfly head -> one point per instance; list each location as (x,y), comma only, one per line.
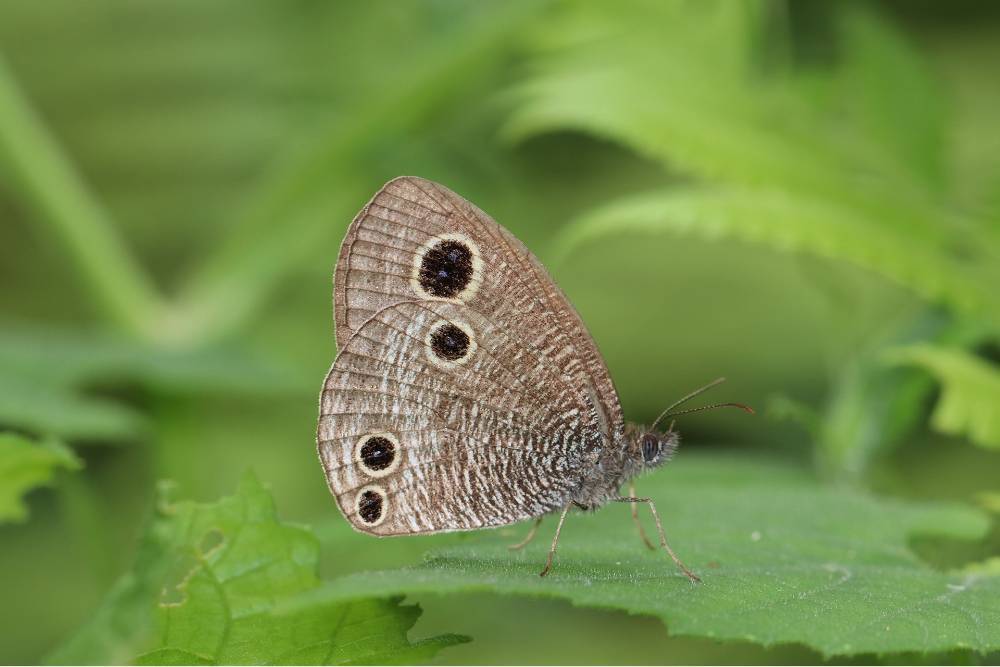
(652,448)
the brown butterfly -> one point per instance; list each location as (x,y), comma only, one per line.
(466,392)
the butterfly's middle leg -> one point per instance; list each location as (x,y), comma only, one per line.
(527,538)
(635,518)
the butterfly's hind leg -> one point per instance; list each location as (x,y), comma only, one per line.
(635,518)
(555,542)
(527,538)
(663,537)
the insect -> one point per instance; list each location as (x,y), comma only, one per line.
(466,392)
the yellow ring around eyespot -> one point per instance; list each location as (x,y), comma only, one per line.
(371,472)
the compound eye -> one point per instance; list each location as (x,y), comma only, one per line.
(650,447)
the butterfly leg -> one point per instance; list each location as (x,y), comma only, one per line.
(527,538)
(663,538)
(555,541)
(635,518)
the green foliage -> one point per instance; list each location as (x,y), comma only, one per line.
(970,391)
(783,560)
(206,587)
(829,160)
(25,465)
(777,170)
(175,178)
(789,222)
(51,381)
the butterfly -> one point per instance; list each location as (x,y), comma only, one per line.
(466,392)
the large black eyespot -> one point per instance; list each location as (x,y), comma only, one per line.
(378,453)
(446,268)
(449,342)
(650,447)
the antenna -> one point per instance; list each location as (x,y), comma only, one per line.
(696,392)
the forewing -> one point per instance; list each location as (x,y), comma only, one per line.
(384,261)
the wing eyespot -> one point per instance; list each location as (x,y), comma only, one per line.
(378,454)
(450,343)
(447,267)
(371,505)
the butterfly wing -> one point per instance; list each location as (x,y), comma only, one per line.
(466,391)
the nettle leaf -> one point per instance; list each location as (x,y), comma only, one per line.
(205,588)
(783,558)
(788,222)
(25,465)
(970,391)
(793,159)
(54,383)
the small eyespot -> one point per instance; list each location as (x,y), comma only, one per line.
(371,505)
(650,447)
(450,343)
(447,267)
(378,454)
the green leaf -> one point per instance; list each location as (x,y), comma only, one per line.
(789,222)
(911,135)
(970,391)
(205,587)
(873,407)
(25,465)
(783,559)
(781,166)
(50,380)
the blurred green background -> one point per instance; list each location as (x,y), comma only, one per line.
(803,197)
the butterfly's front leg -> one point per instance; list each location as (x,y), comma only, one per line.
(663,538)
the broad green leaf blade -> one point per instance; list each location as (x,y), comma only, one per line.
(970,399)
(685,88)
(42,408)
(25,465)
(790,222)
(204,590)
(783,559)
(681,89)
(910,135)
(48,380)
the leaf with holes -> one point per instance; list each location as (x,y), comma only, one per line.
(783,559)
(204,590)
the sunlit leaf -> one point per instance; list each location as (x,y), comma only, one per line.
(205,587)
(783,559)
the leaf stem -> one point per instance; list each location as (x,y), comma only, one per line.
(42,176)
(298,211)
